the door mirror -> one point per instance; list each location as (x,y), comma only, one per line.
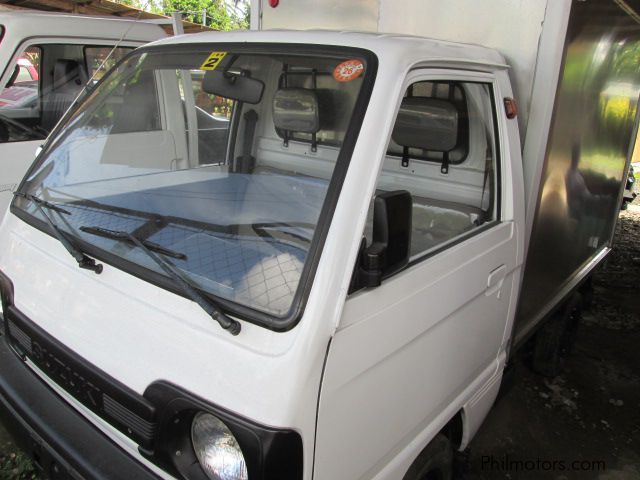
(391,245)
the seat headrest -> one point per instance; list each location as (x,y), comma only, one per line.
(67,71)
(427,123)
(296,110)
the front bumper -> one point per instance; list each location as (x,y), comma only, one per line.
(62,443)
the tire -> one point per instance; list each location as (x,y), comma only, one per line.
(555,339)
(435,462)
(586,295)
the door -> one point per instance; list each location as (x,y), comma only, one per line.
(41,83)
(413,350)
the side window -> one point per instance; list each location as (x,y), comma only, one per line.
(101,59)
(443,152)
(19,99)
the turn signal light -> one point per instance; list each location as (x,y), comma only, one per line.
(510,108)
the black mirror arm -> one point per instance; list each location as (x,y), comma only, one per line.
(370,266)
(390,250)
(373,257)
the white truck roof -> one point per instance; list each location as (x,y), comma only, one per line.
(406,50)
(46,24)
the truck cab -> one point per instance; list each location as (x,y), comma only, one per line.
(244,237)
(45,61)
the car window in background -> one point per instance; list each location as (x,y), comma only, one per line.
(97,56)
(47,78)
(28,66)
(27,70)
(19,105)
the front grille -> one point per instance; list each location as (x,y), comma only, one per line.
(115,403)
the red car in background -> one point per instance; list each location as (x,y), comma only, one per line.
(27,71)
(23,92)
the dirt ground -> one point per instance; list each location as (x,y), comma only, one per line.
(583,424)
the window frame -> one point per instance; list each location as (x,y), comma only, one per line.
(424,74)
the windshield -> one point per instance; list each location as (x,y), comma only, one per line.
(221,156)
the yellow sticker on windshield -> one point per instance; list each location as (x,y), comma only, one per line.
(213,60)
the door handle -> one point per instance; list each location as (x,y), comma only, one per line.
(495,281)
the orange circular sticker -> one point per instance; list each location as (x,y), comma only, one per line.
(349,70)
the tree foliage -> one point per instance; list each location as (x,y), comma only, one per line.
(220,15)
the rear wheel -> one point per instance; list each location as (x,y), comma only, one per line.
(555,339)
(435,462)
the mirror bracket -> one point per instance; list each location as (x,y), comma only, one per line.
(368,272)
(390,249)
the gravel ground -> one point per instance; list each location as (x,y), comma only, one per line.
(540,427)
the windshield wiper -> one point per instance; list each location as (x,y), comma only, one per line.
(83,260)
(44,203)
(232,326)
(126,237)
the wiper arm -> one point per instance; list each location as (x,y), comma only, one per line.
(44,203)
(229,324)
(83,260)
(126,237)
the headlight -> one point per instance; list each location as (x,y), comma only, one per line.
(217,449)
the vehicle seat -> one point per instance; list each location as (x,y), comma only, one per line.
(69,77)
(139,111)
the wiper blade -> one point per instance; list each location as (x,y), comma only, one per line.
(44,203)
(125,236)
(262,230)
(229,324)
(83,260)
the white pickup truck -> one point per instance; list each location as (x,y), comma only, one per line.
(294,255)
(45,61)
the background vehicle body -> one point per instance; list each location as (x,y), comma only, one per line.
(365,378)
(67,49)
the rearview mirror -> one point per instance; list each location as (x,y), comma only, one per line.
(233,86)
(391,244)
